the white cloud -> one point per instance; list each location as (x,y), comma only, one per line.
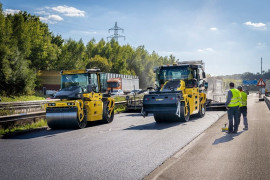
(256,25)
(51,19)
(260,45)
(68,11)
(55,17)
(213,29)
(11,11)
(49,16)
(206,50)
(42,12)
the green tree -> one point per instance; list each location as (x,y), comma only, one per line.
(72,56)
(99,62)
(57,40)
(89,49)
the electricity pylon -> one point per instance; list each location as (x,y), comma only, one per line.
(116,35)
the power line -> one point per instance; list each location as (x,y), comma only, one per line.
(116,35)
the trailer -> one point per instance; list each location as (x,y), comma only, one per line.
(216,93)
(126,83)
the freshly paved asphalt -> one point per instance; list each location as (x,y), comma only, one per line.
(129,148)
(217,155)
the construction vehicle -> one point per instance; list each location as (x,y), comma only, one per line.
(81,100)
(180,92)
(134,101)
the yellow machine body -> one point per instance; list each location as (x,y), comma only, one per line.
(74,111)
(191,96)
(180,92)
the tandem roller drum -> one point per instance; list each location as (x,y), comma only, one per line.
(63,118)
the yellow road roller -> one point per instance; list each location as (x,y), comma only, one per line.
(180,92)
(82,99)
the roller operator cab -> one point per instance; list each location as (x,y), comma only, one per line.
(82,99)
(180,92)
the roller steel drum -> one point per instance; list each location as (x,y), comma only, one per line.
(63,118)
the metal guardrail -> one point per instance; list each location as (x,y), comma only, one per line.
(29,115)
(23,116)
(24,103)
(267,101)
(23,106)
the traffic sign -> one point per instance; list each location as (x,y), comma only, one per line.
(250,82)
(261,83)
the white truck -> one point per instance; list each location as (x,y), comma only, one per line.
(126,83)
(216,94)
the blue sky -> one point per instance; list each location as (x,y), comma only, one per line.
(231,36)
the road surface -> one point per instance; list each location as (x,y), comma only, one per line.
(129,148)
(217,155)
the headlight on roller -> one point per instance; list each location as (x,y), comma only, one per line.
(51,104)
(70,103)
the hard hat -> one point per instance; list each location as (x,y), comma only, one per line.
(239,87)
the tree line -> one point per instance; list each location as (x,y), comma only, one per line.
(265,75)
(238,79)
(27,46)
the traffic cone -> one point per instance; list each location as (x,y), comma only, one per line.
(224,128)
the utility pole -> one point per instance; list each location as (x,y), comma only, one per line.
(261,74)
(116,35)
(261,66)
(260,94)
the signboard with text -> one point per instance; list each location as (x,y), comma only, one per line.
(250,82)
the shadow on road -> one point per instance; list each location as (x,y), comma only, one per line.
(134,114)
(35,134)
(159,126)
(216,109)
(155,126)
(45,132)
(226,138)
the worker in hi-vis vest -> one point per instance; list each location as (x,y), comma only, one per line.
(232,105)
(243,107)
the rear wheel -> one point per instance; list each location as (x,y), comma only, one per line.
(202,110)
(184,112)
(107,117)
(82,123)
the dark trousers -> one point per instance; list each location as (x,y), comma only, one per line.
(233,118)
(243,111)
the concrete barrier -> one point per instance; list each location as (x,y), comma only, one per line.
(267,101)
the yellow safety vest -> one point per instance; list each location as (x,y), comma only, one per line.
(243,99)
(236,95)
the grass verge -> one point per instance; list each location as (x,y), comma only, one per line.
(19,128)
(119,98)
(21,98)
(120,108)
